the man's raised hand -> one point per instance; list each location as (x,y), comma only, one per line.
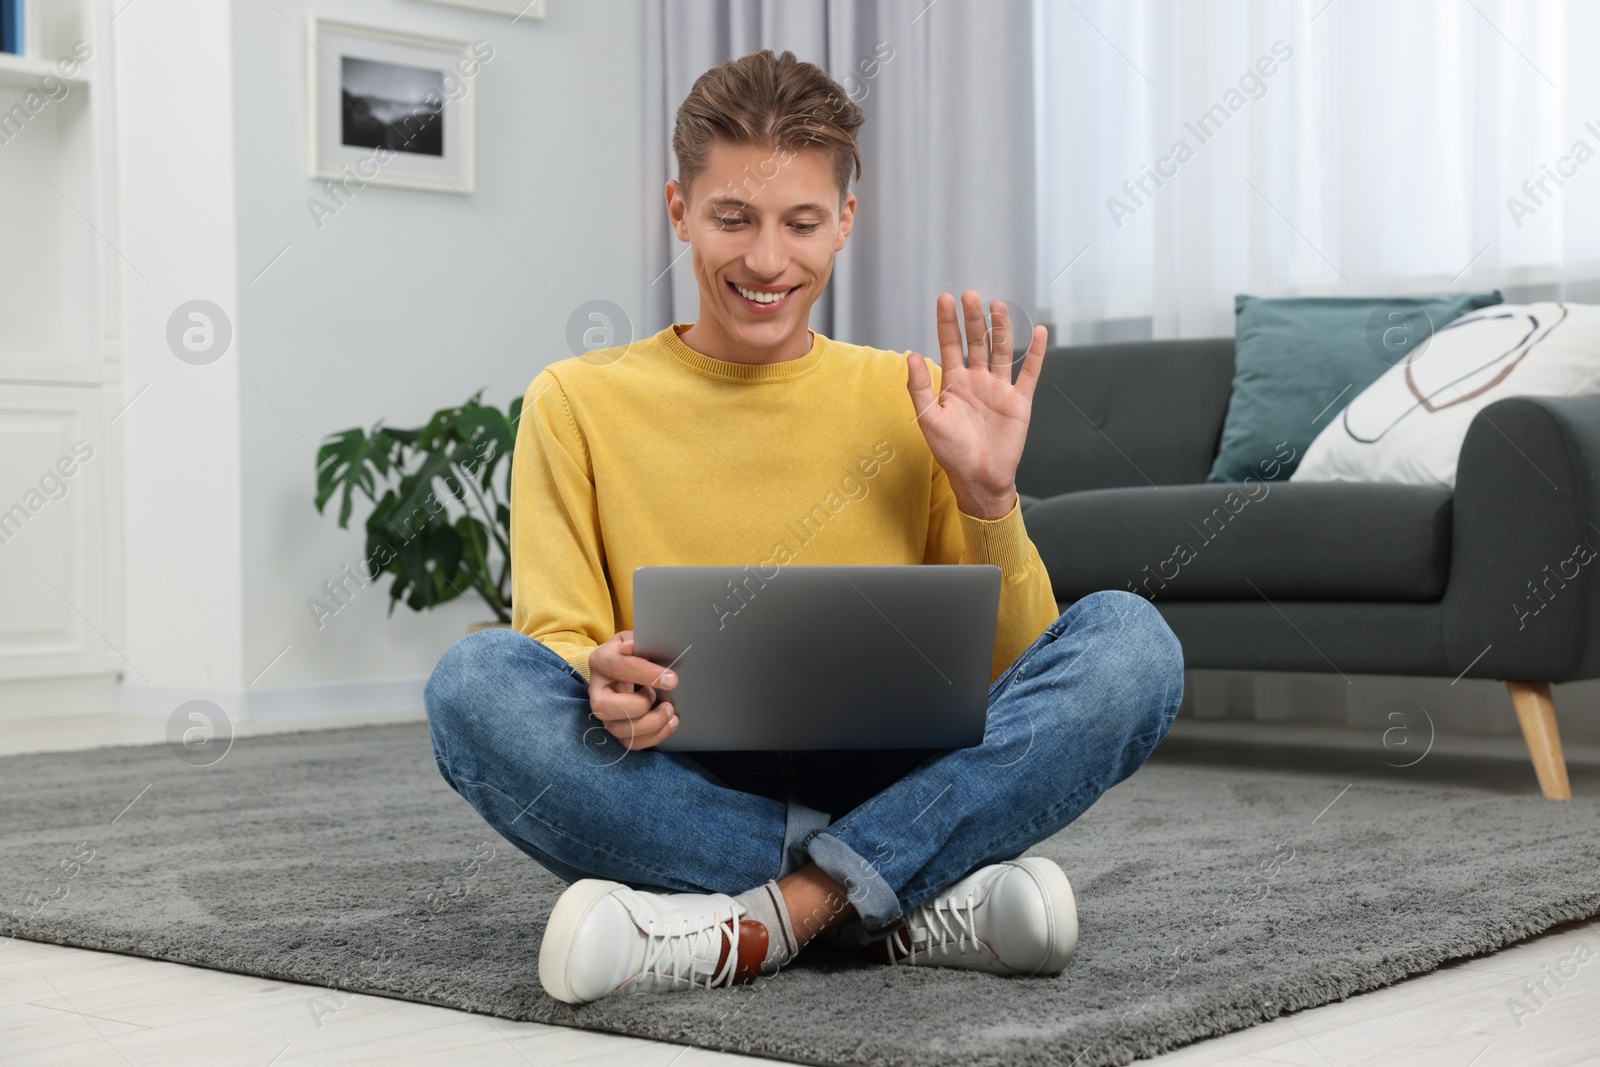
(978,423)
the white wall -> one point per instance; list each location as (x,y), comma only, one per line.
(401,303)
(183,549)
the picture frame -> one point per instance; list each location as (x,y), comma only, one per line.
(517,10)
(391,107)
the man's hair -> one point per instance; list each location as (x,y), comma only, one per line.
(768,101)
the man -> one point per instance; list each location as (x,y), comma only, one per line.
(728,441)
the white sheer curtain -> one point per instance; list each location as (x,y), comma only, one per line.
(1333,147)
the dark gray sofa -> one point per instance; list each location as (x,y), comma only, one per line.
(1495,580)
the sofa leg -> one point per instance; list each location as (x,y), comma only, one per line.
(1536,714)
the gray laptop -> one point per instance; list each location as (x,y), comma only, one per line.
(821,657)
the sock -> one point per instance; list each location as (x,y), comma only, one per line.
(765,905)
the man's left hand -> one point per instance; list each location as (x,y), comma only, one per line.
(978,423)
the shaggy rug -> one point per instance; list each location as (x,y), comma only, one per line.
(1208,901)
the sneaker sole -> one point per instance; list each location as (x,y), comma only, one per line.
(561,935)
(1062,908)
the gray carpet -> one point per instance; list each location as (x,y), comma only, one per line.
(1209,901)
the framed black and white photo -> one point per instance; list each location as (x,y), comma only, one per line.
(389,107)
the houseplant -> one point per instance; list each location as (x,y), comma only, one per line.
(441,517)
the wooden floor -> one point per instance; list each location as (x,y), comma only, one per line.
(69,1006)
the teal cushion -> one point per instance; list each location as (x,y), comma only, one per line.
(1299,360)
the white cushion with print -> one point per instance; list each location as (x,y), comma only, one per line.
(1409,425)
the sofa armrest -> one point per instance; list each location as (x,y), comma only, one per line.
(1525,558)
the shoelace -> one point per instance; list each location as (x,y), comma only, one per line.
(946,919)
(659,950)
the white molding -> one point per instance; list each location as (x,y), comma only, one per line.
(30,369)
(517,9)
(259,703)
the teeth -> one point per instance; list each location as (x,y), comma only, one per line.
(760,298)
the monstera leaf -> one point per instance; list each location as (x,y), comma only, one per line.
(440,523)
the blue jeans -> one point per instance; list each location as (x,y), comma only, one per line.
(1080,710)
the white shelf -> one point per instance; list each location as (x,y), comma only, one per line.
(60,379)
(24,72)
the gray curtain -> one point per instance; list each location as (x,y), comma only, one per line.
(946,198)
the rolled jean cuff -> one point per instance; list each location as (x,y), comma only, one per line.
(799,821)
(877,905)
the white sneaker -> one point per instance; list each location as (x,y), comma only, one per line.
(605,938)
(1016,917)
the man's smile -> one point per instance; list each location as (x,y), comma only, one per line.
(762,300)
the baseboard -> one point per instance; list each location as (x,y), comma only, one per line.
(1347,739)
(1467,707)
(40,698)
(259,703)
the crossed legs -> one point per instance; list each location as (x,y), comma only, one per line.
(1077,712)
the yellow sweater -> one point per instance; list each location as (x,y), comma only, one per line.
(655,454)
